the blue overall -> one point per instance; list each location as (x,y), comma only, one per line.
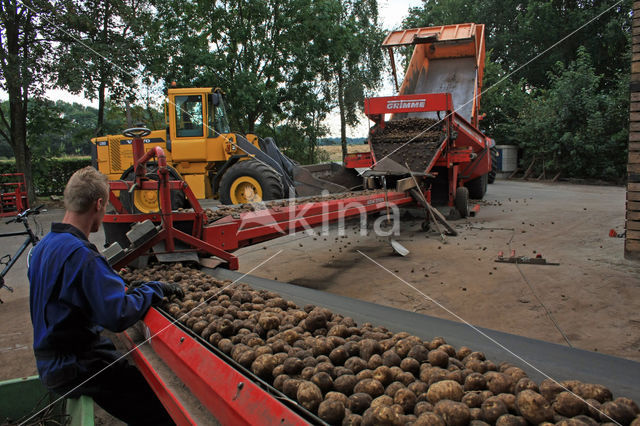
(74,295)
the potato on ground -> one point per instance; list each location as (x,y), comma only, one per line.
(406,399)
(383,415)
(618,412)
(511,420)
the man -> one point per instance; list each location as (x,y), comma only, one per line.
(75,295)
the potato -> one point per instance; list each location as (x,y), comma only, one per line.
(437,342)
(572,422)
(549,389)
(338,355)
(406,399)
(359,402)
(246,358)
(429,419)
(453,413)
(492,409)
(269,321)
(534,407)
(393,388)
(418,387)
(381,415)
(331,411)
(432,375)
(261,350)
(341,371)
(405,378)
(475,381)
(309,396)
(590,391)
(290,387)
(498,382)
(307,373)
(293,366)
(345,384)
(594,408)
(324,367)
(525,383)
(446,389)
(308,360)
(382,400)
(630,403)
(422,407)
(456,376)
(586,420)
(509,400)
(364,374)
(199,326)
(369,386)
(472,399)
(374,362)
(383,375)
(438,358)
(369,347)
(463,352)
(515,373)
(419,353)
(569,405)
(278,382)
(351,419)
(511,420)
(390,358)
(323,381)
(225,346)
(410,365)
(403,346)
(618,412)
(355,364)
(475,414)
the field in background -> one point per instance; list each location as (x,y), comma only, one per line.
(335,151)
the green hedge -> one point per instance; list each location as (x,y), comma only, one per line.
(50,176)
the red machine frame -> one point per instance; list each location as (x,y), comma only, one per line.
(464,152)
(223,236)
(14,201)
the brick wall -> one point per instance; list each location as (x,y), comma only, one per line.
(632,242)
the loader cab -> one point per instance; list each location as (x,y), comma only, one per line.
(197,113)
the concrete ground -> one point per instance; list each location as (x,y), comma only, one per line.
(591,300)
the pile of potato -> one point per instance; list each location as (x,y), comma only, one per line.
(366,375)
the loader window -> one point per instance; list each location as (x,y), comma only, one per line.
(217,115)
(189,116)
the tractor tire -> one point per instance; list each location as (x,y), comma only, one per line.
(477,187)
(250,181)
(461,201)
(133,205)
(494,165)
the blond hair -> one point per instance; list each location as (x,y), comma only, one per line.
(84,188)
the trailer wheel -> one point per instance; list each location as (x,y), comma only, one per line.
(250,181)
(494,165)
(462,201)
(477,187)
(147,201)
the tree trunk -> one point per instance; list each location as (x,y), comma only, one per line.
(103,73)
(17,89)
(343,118)
(101,90)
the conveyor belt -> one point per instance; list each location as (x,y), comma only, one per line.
(621,375)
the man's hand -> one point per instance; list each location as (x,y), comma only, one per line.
(172,289)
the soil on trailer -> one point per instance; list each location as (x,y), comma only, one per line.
(412,141)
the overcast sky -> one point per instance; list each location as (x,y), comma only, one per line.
(391,12)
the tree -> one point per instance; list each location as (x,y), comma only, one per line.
(101,50)
(26,57)
(577,126)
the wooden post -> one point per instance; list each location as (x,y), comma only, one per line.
(632,225)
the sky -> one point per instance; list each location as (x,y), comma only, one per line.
(391,13)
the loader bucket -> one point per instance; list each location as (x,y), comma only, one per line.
(327,177)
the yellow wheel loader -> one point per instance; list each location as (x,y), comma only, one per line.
(214,161)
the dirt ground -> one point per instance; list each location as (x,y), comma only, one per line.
(593,295)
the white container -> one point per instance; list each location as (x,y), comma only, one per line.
(507,157)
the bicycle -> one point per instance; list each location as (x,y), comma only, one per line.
(32,239)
